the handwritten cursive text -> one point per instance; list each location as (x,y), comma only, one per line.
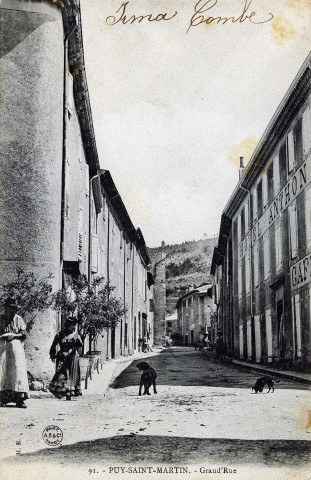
(202,7)
(113,20)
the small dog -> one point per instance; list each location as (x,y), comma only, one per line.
(262,381)
(147,379)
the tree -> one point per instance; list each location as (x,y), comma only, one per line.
(30,295)
(92,304)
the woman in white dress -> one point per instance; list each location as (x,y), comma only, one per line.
(13,370)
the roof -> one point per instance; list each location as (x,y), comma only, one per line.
(116,201)
(72,18)
(202,290)
(284,115)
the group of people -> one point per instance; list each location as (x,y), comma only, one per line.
(65,351)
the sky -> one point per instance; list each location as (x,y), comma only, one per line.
(174,110)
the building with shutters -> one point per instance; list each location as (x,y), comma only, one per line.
(262,263)
(60,213)
(194,314)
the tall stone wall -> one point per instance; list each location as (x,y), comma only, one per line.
(31,89)
(159,290)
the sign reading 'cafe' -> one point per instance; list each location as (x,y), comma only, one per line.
(300,272)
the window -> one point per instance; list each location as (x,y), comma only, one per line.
(292,212)
(264,190)
(306,130)
(169,324)
(298,142)
(283,165)
(239,228)
(259,199)
(290,152)
(242,223)
(270,192)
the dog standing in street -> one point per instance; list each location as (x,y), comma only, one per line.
(147,379)
(262,381)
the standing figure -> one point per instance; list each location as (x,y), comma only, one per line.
(66,381)
(13,370)
(219,348)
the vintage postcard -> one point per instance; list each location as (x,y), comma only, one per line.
(155,239)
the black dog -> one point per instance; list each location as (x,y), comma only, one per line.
(262,381)
(147,379)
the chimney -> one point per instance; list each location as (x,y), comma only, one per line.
(241,170)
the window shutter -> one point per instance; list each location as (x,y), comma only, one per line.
(80,234)
(264,190)
(276,175)
(298,324)
(94,253)
(278,246)
(306,130)
(256,264)
(266,251)
(247,272)
(246,217)
(293,230)
(240,280)
(308,217)
(291,151)
(255,205)
(269,334)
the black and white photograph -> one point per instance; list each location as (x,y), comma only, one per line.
(155,237)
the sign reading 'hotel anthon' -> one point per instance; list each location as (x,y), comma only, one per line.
(296,184)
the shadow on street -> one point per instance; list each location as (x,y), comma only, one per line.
(176,450)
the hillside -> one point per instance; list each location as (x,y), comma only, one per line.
(187,264)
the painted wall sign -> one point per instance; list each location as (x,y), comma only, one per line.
(294,187)
(300,273)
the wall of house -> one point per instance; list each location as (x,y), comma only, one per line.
(272,243)
(31,93)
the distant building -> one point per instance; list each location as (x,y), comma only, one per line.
(60,213)
(171,325)
(262,264)
(194,314)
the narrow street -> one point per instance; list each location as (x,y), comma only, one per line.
(204,414)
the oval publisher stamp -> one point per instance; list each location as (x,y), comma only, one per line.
(52,435)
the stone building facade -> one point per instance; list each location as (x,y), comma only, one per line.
(262,265)
(60,213)
(194,314)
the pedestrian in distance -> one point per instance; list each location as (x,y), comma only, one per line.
(66,381)
(219,349)
(13,370)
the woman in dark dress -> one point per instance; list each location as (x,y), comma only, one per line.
(66,381)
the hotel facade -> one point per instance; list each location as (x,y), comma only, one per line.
(262,264)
